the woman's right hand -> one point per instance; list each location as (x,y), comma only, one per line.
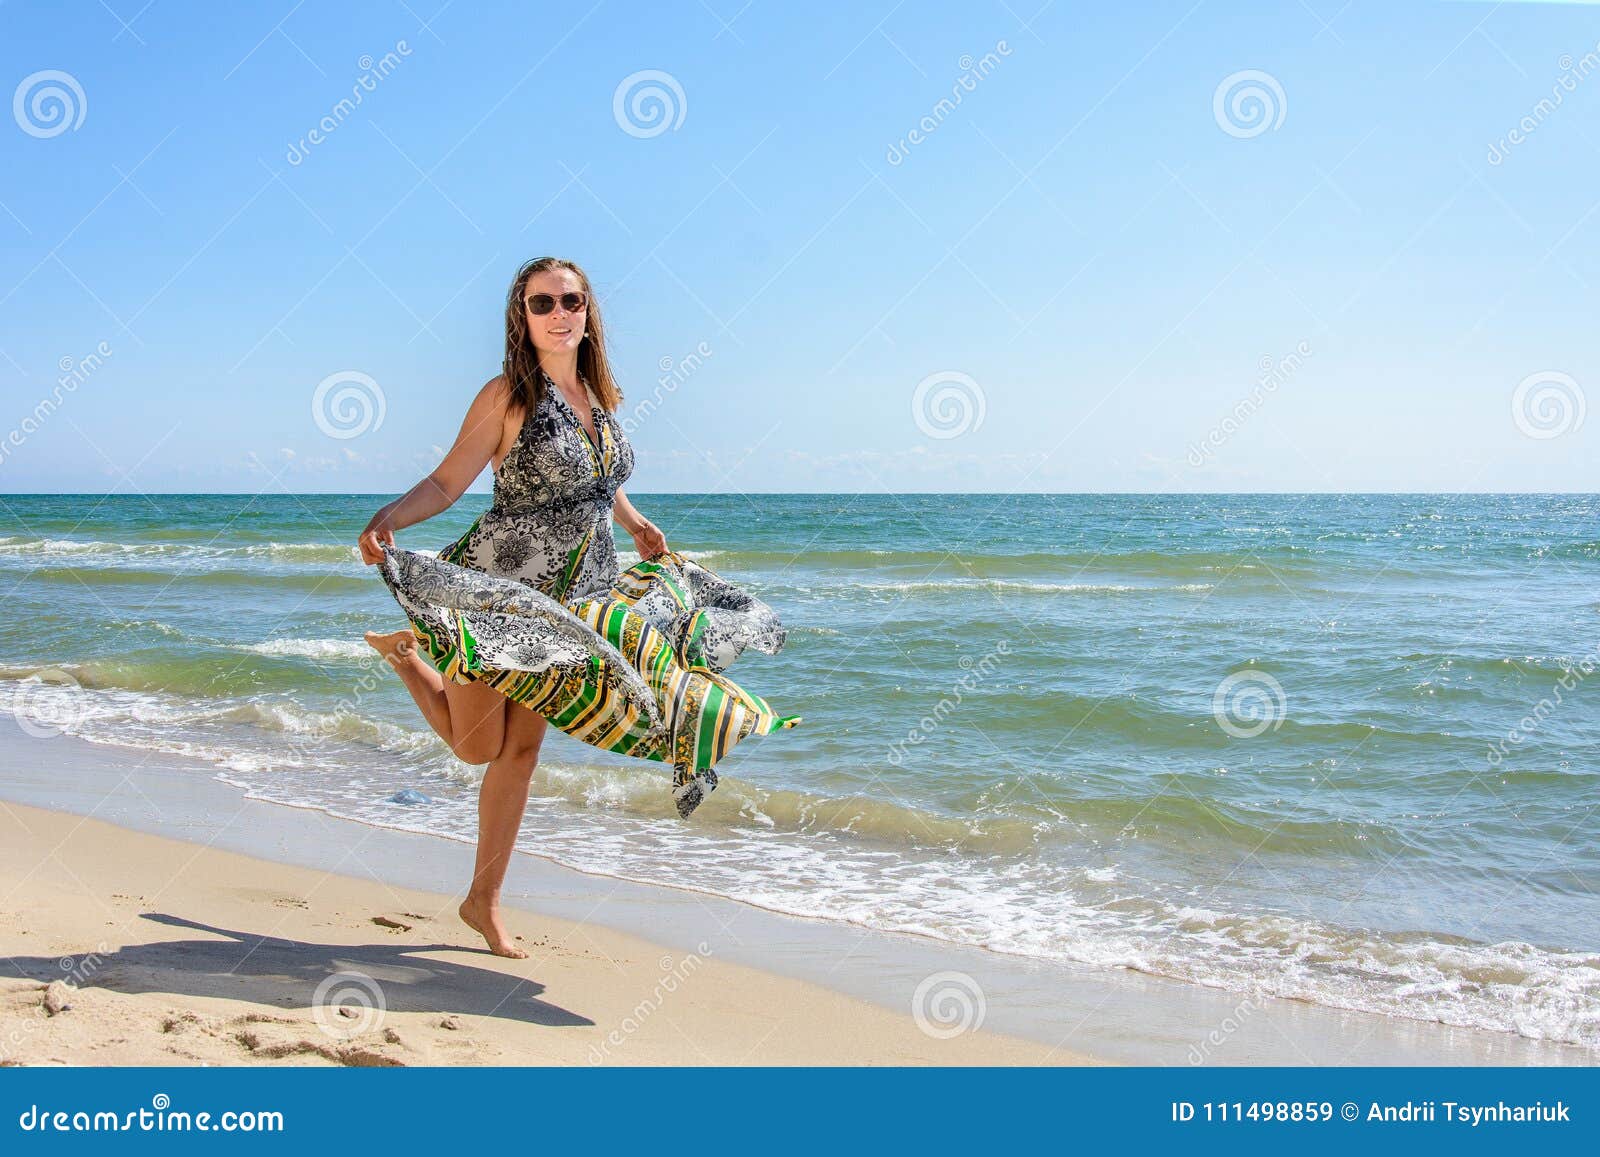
(373,539)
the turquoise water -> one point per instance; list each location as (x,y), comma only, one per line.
(1256,742)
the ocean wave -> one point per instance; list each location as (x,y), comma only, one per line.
(47,548)
(1554,666)
(219,551)
(311,581)
(164,720)
(1001,819)
(628,557)
(1281,559)
(325,649)
(160,628)
(219,671)
(1022,587)
(1025,880)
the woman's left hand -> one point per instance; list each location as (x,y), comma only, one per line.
(649,541)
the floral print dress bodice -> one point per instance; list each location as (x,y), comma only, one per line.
(550,523)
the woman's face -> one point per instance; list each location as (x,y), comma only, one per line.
(560,331)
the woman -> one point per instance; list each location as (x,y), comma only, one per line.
(526,619)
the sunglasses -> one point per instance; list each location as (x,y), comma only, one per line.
(543,303)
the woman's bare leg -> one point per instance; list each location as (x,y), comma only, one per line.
(470,717)
(501,801)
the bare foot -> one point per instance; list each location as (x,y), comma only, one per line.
(396,647)
(483,918)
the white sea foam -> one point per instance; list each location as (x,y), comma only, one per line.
(628,557)
(90,549)
(815,857)
(324,649)
(159,628)
(1018,585)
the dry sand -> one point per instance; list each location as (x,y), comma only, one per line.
(119,948)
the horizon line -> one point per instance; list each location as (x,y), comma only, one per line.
(134,495)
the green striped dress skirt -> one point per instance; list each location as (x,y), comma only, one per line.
(638,670)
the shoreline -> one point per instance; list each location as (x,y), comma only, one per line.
(1032,1012)
(124,948)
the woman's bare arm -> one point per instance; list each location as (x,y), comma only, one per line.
(647,537)
(475,444)
(625,514)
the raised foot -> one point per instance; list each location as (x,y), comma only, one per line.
(395,646)
(484,919)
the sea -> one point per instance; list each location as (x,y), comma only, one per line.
(1343,749)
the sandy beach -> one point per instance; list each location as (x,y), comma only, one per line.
(122,948)
(185,922)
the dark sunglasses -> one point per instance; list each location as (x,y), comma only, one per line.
(543,303)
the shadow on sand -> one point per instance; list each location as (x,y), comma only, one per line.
(282,974)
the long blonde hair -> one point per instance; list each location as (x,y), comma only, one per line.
(521,363)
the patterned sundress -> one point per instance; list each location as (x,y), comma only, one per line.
(530,600)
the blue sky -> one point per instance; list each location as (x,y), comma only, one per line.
(1089,259)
